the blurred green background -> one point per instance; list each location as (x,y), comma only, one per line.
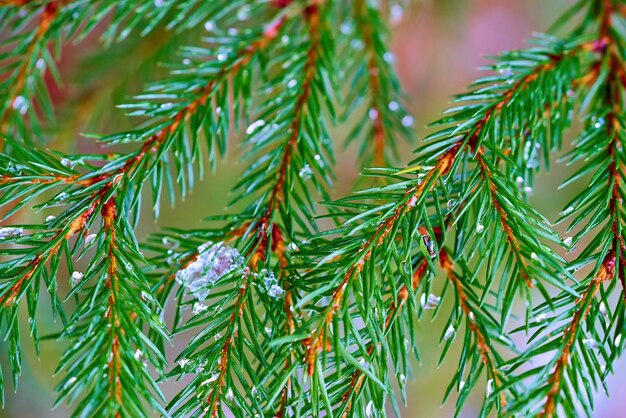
(439,45)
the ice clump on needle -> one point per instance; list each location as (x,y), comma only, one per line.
(214,261)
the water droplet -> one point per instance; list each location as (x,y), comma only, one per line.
(397,13)
(489,390)
(373,114)
(568,241)
(292,83)
(10,232)
(40,64)
(230,395)
(159,3)
(222,54)
(209,25)
(90,239)
(20,104)
(618,340)
(244,12)
(407,121)
(186,61)
(599,123)
(306,172)
(449,333)
(567,211)
(370,410)
(452,203)
(480,228)
(50,218)
(389,57)
(232,31)
(393,106)
(166,106)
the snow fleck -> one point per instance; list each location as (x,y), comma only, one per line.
(77,276)
(618,340)
(276,291)
(70,382)
(370,410)
(66,162)
(567,211)
(211,379)
(138,354)
(213,262)
(50,218)
(254,126)
(567,241)
(480,228)
(306,172)
(431,302)
(198,308)
(540,317)
(590,343)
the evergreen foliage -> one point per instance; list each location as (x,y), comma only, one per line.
(287,318)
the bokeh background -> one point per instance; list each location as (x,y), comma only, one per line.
(439,45)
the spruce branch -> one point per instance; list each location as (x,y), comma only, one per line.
(374,84)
